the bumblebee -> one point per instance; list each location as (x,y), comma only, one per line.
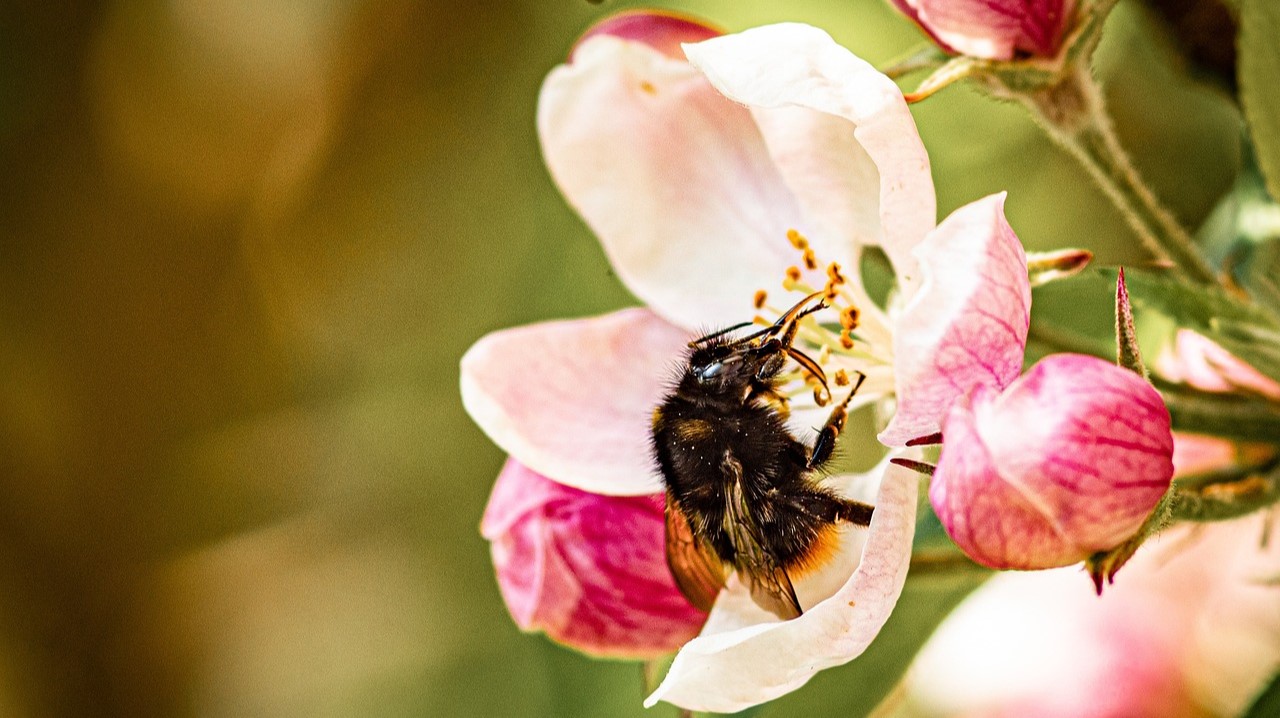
(741,489)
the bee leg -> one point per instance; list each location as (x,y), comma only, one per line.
(855,512)
(825,444)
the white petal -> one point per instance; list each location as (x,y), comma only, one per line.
(573,400)
(673,178)
(745,666)
(839,131)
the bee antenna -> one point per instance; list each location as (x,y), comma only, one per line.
(716,335)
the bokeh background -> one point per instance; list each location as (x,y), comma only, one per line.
(245,243)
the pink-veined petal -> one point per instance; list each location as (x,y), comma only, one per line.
(663,30)
(673,178)
(573,400)
(589,570)
(731,670)
(967,326)
(840,133)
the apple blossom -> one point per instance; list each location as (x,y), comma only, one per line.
(993,29)
(1068,461)
(769,155)
(587,569)
(1194,630)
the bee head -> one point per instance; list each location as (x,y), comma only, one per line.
(723,369)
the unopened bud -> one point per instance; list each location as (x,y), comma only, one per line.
(1067,462)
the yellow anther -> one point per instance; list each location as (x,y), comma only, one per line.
(833,273)
(846,341)
(849,318)
(793,273)
(797,240)
(830,292)
(810,259)
(760,298)
(842,377)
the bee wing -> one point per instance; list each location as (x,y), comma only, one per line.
(698,571)
(770,585)
(772,591)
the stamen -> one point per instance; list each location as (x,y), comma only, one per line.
(849,318)
(760,298)
(797,240)
(842,377)
(793,274)
(824,354)
(846,341)
(810,259)
(833,273)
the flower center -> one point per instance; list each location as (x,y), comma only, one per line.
(836,346)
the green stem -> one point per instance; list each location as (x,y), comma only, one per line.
(1075,114)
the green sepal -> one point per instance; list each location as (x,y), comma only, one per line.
(1102,566)
(1229,416)
(1127,353)
(1226,495)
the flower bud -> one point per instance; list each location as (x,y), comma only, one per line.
(587,569)
(1066,462)
(993,29)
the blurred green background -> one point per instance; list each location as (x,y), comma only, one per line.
(245,243)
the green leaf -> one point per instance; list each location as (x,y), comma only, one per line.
(1242,234)
(1204,309)
(1225,500)
(1229,416)
(1259,347)
(1259,72)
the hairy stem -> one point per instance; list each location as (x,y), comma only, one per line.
(1075,115)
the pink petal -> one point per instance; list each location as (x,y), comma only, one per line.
(840,133)
(967,326)
(662,30)
(573,399)
(1053,649)
(589,570)
(1066,462)
(1199,362)
(995,29)
(674,179)
(732,670)
(1199,454)
(1187,632)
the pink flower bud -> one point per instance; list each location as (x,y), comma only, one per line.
(1068,461)
(588,570)
(993,29)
